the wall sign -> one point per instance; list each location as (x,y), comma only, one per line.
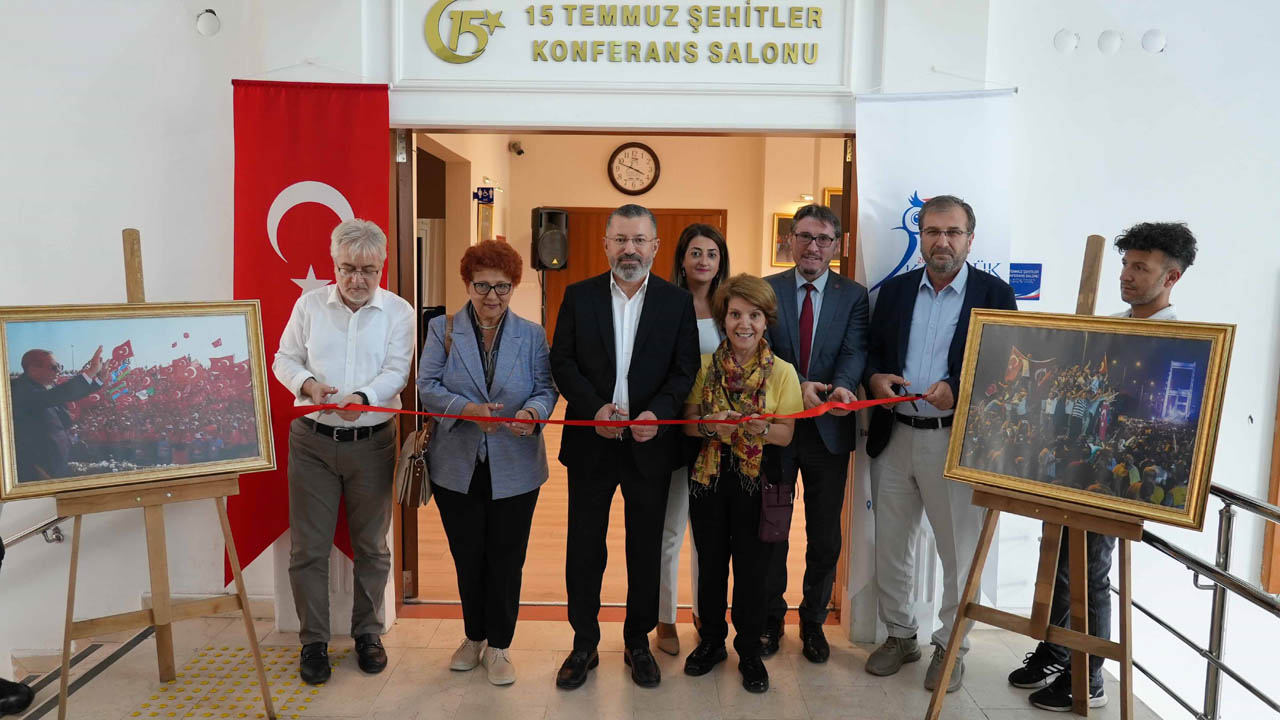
(683,47)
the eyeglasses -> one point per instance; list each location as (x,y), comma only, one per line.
(951,234)
(483,288)
(639,241)
(368,271)
(823,241)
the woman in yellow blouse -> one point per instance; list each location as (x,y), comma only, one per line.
(741,379)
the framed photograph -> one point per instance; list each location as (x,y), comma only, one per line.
(106,395)
(833,197)
(484,222)
(1109,413)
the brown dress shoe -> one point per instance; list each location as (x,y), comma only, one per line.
(668,639)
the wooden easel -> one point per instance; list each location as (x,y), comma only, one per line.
(1057,516)
(152,498)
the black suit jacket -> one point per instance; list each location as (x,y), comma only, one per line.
(664,363)
(839,352)
(41,424)
(891,331)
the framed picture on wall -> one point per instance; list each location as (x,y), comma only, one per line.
(484,222)
(1108,413)
(833,198)
(108,395)
(781,240)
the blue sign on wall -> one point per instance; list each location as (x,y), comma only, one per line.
(1025,279)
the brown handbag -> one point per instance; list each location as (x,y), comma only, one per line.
(412,482)
(777,499)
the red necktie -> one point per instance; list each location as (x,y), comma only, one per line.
(806,328)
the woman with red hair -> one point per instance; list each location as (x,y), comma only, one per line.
(486,361)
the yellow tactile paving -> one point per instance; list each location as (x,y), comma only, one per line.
(220,682)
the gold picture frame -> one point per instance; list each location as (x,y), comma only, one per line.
(1062,406)
(150,392)
(484,222)
(833,197)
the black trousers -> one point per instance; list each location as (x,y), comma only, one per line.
(726,524)
(488,539)
(824,476)
(591,489)
(1100,549)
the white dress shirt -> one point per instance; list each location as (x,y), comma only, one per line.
(1164,313)
(815,295)
(626,318)
(367,351)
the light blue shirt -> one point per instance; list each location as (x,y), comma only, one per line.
(815,296)
(933,325)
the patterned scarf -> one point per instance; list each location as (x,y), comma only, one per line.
(741,388)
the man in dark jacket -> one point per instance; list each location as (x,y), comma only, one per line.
(41,423)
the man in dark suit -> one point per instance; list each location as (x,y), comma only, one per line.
(830,364)
(626,346)
(917,345)
(41,425)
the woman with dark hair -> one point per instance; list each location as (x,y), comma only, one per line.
(742,379)
(486,475)
(701,263)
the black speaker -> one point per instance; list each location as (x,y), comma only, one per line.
(550,239)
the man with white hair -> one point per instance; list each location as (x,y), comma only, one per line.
(348,344)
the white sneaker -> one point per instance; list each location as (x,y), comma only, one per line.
(467,656)
(501,671)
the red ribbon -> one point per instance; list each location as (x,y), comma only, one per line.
(811,412)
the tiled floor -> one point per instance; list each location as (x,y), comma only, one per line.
(418,684)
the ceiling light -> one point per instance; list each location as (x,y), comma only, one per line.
(207,23)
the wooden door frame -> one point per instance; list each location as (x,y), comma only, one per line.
(402,276)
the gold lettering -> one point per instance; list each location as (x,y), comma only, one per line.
(691,52)
(713,16)
(735,53)
(810,53)
(633,51)
(776,19)
(733,16)
(716,55)
(597,49)
(568,13)
(671,21)
(588,15)
(539,50)
(751,58)
(615,51)
(695,17)
(790,53)
(608,15)
(761,12)
(652,15)
(672,50)
(579,50)
(559,51)
(630,15)
(797,17)
(814,18)
(769,53)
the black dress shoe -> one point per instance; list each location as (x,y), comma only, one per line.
(755,678)
(313,666)
(816,649)
(704,657)
(574,670)
(770,638)
(370,655)
(644,669)
(14,697)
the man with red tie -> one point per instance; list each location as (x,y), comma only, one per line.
(830,363)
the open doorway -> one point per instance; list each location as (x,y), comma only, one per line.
(748,185)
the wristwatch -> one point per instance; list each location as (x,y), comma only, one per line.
(705,430)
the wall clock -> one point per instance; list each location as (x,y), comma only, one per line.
(634,168)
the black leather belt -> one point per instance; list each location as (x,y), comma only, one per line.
(925,423)
(343,434)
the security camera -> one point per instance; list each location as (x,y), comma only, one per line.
(516,147)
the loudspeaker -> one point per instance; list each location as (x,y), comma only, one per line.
(550,239)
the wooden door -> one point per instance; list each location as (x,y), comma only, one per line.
(586,256)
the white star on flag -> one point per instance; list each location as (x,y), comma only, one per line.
(310,282)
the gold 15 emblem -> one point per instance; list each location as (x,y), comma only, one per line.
(462,22)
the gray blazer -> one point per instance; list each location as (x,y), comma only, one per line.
(839,351)
(521,379)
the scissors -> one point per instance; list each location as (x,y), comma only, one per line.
(902,392)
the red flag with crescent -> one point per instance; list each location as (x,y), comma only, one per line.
(288,198)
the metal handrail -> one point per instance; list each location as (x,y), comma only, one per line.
(49,528)
(1223,582)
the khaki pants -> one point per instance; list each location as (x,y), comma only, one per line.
(321,473)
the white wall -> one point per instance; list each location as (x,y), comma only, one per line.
(1104,141)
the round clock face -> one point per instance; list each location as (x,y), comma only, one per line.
(634,168)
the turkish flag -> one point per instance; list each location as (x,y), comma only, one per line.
(217,343)
(221,364)
(122,352)
(307,156)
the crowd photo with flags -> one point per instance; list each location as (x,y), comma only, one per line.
(135,393)
(1092,411)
